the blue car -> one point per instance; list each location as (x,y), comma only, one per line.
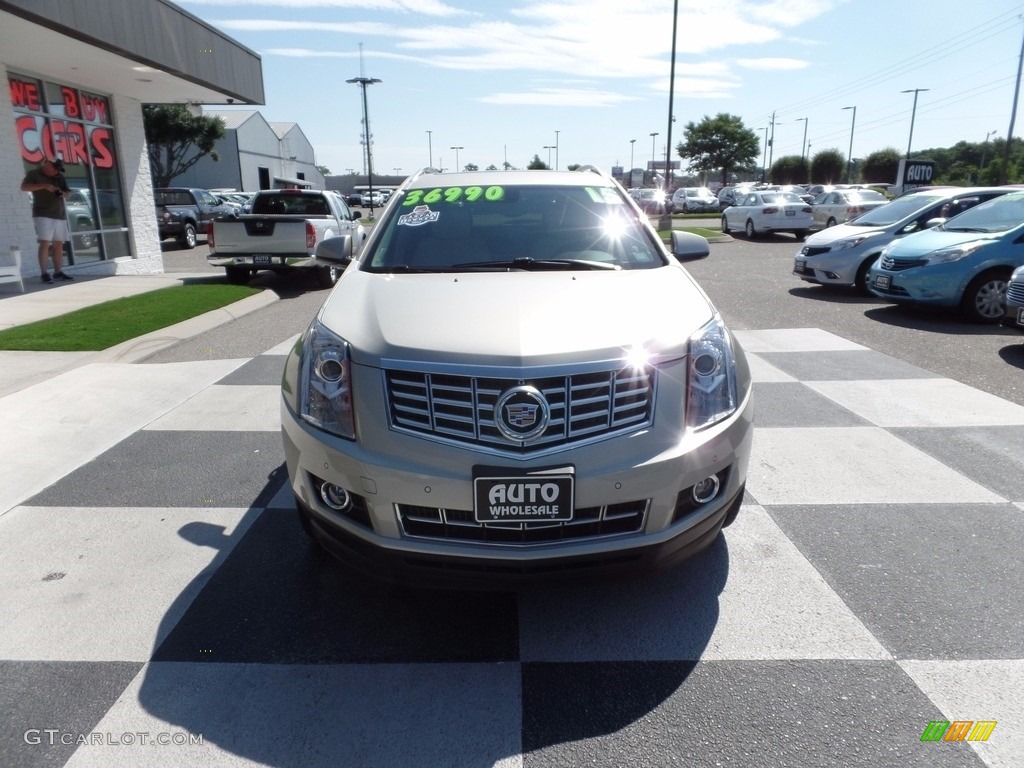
(965,263)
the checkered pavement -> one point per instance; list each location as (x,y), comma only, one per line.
(160,606)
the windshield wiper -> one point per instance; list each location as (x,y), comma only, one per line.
(965,229)
(530,264)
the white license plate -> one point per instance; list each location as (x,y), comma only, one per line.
(800,266)
(519,497)
(882,282)
(791,213)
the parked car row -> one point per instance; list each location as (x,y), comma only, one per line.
(950,247)
(762,212)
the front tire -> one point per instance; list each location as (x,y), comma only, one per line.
(984,301)
(725,225)
(831,222)
(860,282)
(187,239)
(326,277)
(749,230)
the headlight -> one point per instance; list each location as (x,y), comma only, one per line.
(852,242)
(1018,274)
(711,390)
(325,398)
(947,255)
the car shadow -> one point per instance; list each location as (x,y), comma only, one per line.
(933,320)
(278,654)
(1014,354)
(833,294)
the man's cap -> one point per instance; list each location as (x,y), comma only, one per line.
(59,165)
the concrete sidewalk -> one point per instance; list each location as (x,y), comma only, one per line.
(41,301)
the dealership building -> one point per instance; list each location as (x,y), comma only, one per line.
(78,74)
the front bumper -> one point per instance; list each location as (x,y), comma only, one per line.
(936,285)
(824,266)
(435,480)
(1014,317)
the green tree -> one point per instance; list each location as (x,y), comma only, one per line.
(789,169)
(537,164)
(828,167)
(176,140)
(881,166)
(324,170)
(472,167)
(721,144)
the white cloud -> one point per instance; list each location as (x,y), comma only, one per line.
(773,64)
(560,97)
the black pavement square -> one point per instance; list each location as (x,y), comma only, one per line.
(265,369)
(843,365)
(811,714)
(930,581)
(992,456)
(67,698)
(176,469)
(279,599)
(792,404)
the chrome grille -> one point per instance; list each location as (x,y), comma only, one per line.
(892,265)
(462,409)
(459,525)
(1015,292)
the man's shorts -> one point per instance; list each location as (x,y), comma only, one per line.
(50,230)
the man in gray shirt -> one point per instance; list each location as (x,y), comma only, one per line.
(48,187)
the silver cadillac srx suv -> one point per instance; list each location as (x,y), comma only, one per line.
(515,381)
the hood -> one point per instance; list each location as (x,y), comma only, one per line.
(841,232)
(921,243)
(515,318)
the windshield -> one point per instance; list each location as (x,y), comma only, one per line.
(780,197)
(475,228)
(898,210)
(997,215)
(865,196)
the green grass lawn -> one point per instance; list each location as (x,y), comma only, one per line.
(104,325)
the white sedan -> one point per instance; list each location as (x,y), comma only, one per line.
(841,205)
(761,212)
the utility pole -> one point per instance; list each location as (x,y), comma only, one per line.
(665,222)
(771,144)
(1013,118)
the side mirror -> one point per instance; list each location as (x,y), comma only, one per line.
(935,222)
(336,250)
(686,245)
(357,215)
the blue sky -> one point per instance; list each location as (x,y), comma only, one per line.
(505,80)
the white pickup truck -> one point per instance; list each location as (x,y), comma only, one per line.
(281,234)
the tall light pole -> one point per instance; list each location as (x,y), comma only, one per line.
(913,112)
(849,155)
(653,167)
(632,145)
(549,147)
(457,166)
(803,146)
(556,149)
(430,150)
(362,82)
(666,217)
(1013,117)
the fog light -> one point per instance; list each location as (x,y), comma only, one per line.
(706,489)
(335,497)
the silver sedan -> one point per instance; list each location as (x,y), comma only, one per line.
(841,205)
(763,212)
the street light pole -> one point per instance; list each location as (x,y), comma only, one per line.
(632,145)
(457,166)
(849,155)
(430,150)
(362,82)
(803,146)
(556,149)
(549,147)
(653,162)
(913,112)
(764,156)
